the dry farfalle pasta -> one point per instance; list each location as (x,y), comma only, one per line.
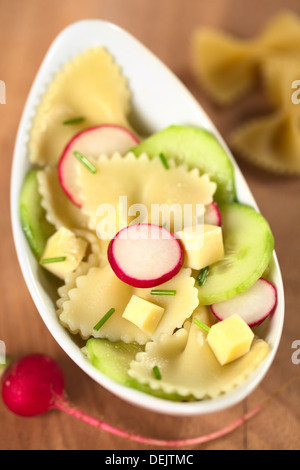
(273,141)
(228,67)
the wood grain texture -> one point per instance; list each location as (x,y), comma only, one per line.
(164,26)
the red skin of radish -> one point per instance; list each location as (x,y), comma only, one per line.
(30,385)
(34,385)
(214,307)
(143,283)
(72,143)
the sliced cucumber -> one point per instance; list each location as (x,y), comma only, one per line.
(113,359)
(249,244)
(198,148)
(35,226)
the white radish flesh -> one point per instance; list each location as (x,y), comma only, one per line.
(145,255)
(91,143)
(212,215)
(253,305)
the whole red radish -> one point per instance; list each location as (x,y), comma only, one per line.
(31,385)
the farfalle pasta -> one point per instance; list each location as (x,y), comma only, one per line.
(100,288)
(137,299)
(272,141)
(60,211)
(189,367)
(143,181)
(93,258)
(92,87)
(228,67)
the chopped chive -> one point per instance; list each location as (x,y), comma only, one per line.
(53,260)
(104,319)
(164,161)
(201,325)
(85,161)
(162,292)
(73,121)
(156,373)
(201,278)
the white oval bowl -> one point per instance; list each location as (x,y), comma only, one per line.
(154,88)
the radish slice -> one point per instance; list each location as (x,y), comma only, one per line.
(145,255)
(91,142)
(253,305)
(212,215)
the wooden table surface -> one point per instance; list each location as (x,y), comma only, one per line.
(26,30)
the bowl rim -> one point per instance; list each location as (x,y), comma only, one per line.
(28,265)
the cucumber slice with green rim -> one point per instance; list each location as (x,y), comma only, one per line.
(198,148)
(248,244)
(33,217)
(113,359)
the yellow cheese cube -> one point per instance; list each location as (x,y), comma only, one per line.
(63,244)
(230,339)
(203,245)
(143,313)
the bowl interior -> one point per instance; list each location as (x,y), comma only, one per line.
(159,100)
